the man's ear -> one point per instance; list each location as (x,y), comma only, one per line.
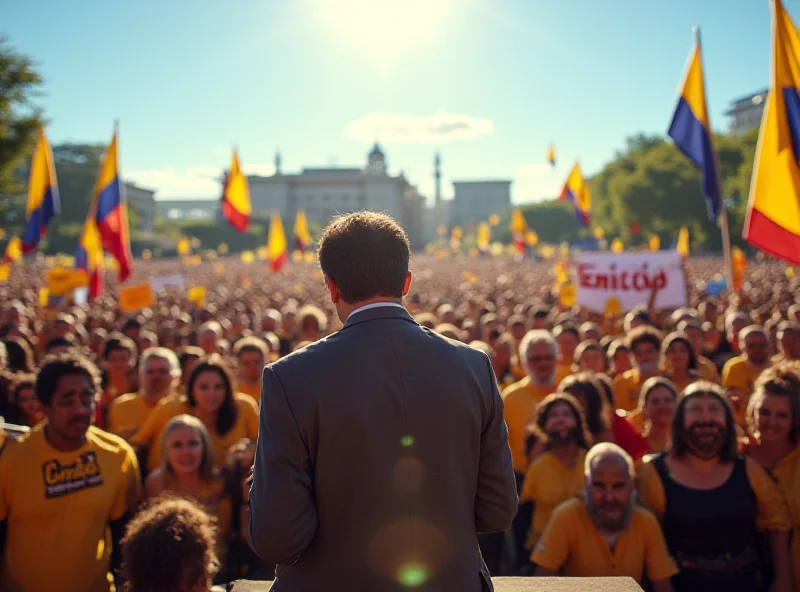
(407,284)
(333,289)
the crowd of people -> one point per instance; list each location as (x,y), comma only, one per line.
(663,445)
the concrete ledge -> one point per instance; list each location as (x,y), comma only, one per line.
(513,585)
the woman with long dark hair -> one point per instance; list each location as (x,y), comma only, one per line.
(713,503)
(228,416)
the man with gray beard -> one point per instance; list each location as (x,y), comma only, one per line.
(606,533)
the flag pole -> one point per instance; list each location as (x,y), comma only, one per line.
(723,217)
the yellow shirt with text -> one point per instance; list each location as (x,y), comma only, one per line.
(571,541)
(57,506)
(150,435)
(519,408)
(548,484)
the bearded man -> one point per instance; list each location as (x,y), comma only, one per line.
(606,533)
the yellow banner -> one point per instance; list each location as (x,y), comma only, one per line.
(197,295)
(136,297)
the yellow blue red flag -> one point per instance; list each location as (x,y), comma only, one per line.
(106,226)
(302,237)
(236,196)
(773,213)
(518,229)
(691,131)
(577,193)
(277,251)
(551,155)
(43,202)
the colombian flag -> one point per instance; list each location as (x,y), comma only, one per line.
(301,235)
(43,201)
(277,253)
(551,156)
(13,251)
(236,197)
(518,229)
(577,193)
(691,130)
(106,225)
(773,214)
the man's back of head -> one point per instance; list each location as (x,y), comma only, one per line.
(364,257)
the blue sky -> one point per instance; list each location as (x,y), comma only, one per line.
(322,78)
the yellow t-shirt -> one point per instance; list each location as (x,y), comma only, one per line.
(57,506)
(254,390)
(740,375)
(519,408)
(127,414)
(787,474)
(626,390)
(707,370)
(771,511)
(549,483)
(572,541)
(246,426)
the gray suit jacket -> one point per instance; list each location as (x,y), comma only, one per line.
(382,453)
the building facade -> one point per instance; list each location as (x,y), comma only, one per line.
(325,192)
(745,113)
(475,201)
(142,201)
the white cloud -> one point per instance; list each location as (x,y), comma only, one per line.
(196,181)
(439,128)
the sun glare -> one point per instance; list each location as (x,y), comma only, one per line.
(383,26)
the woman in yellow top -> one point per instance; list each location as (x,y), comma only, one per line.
(712,502)
(657,403)
(187,470)
(773,415)
(557,474)
(680,362)
(209,397)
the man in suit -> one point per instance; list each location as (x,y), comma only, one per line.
(382,450)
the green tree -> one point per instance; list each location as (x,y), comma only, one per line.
(553,221)
(20,119)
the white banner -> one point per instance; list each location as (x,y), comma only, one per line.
(630,277)
(162,282)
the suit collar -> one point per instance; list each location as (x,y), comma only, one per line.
(378,312)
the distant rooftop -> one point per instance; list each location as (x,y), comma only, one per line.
(755,98)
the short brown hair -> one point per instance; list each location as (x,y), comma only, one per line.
(643,334)
(251,344)
(169,547)
(366,254)
(782,380)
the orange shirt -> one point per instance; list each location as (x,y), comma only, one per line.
(626,390)
(572,541)
(254,389)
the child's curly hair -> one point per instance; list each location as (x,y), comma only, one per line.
(169,547)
